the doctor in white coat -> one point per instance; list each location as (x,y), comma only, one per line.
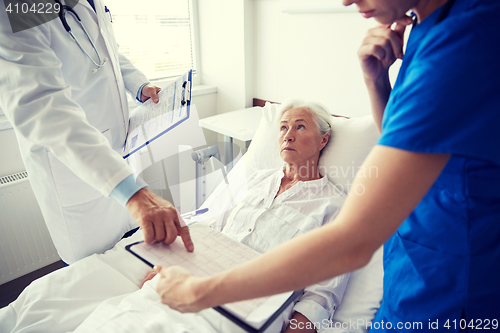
(71,118)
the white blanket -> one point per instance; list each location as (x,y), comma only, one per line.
(101,294)
(60,301)
(142,312)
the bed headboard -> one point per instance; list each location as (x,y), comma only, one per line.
(262,103)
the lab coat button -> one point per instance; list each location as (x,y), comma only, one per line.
(249,230)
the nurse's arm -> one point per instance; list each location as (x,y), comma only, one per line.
(393,182)
(378,52)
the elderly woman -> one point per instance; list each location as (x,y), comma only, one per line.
(279,205)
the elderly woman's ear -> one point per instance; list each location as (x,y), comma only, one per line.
(324,141)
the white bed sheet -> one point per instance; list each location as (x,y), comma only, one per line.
(60,301)
(142,312)
(101,294)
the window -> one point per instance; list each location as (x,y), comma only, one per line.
(156,35)
(314,6)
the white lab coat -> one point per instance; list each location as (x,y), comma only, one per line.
(71,124)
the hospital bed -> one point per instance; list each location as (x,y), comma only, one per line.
(79,288)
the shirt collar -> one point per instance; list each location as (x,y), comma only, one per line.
(320,182)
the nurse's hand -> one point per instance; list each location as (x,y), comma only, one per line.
(149,276)
(150,91)
(180,290)
(158,219)
(380,49)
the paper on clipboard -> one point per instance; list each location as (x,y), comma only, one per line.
(150,121)
(215,253)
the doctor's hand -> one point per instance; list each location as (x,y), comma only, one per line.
(180,290)
(158,219)
(380,49)
(150,91)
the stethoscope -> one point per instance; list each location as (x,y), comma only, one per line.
(444,13)
(62,16)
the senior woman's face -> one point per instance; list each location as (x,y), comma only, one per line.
(299,138)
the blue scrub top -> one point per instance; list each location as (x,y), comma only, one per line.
(443,263)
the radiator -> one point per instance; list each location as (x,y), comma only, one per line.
(25,243)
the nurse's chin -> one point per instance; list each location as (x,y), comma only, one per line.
(384,19)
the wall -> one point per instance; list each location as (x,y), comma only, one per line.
(226,39)
(310,56)
(10,157)
(249,48)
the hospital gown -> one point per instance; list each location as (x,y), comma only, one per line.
(260,221)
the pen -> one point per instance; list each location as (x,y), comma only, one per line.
(107,11)
(195,213)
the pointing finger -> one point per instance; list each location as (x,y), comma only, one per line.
(186,238)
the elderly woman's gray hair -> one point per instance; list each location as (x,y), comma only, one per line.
(321,114)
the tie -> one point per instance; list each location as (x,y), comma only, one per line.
(91,2)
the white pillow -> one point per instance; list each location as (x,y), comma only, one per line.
(263,152)
(352,139)
(362,298)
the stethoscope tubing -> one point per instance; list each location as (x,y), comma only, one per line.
(444,14)
(62,16)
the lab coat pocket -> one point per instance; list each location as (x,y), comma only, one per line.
(107,23)
(71,190)
(97,225)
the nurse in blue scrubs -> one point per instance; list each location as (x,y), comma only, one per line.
(436,201)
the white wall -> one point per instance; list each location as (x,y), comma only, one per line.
(310,56)
(249,48)
(206,106)
(225,29)
(10,157)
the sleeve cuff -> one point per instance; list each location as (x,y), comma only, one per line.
(314,312)
(126,189)
(139,92)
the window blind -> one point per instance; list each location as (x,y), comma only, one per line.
(156,35)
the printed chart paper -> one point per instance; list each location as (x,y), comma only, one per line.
(214,253)
(149,121)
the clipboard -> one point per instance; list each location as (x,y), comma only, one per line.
(296,294)
(150,121)
(230,311)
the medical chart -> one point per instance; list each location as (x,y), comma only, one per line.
(214,253)
(149,121)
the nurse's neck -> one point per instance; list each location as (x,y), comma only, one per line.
(425,8)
